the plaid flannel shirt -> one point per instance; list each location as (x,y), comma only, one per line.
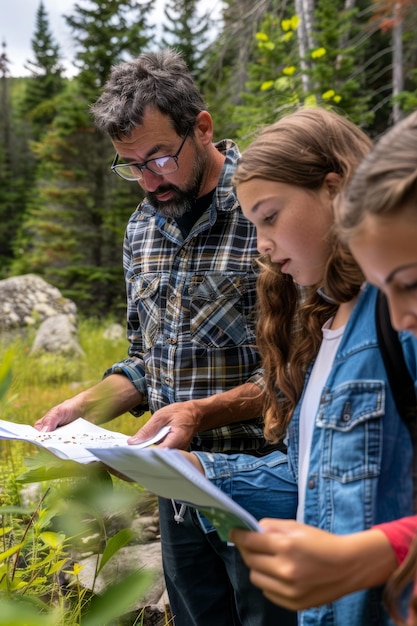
(191,309)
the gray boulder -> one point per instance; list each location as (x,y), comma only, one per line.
(28,300)
(57,334)
(114,332)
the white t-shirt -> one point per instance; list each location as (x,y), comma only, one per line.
(318,377)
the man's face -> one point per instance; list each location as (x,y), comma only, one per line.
(171,194)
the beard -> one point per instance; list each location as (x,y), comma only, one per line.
(184,199)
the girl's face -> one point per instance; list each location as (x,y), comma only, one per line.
(292,224)
(386,250)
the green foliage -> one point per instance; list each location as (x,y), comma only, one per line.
(14,176)
(63,214)
(33,374)
(74,228)
(106,32)
(5,372)
(40,548)
(334,60)
(280,79)
(273,78)
(38,103)
(73,231)
(187,31)
(42,541)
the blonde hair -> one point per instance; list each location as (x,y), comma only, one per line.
(300,149)
(386,181)
(385,184)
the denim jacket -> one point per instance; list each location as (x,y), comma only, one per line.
(361,455)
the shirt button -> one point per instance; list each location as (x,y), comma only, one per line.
(311,483)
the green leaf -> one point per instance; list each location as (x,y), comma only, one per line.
(115,543)
(53,540)
(45,466)
(5,372)
(56,567)
(267,85)
(8,553)
(16,612)
(118,599)
(318,53)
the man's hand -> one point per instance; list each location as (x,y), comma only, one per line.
(60,415)
(187,418)
(183,418)
(109,398)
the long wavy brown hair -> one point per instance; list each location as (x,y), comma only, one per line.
(300,149)
(402,577)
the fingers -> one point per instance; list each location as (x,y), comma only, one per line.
(179,435)
(57,416)
(50,421)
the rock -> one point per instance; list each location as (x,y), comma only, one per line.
(28,300)
(58,335)
(114,332)
(152,609)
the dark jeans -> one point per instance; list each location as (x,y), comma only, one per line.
(207,582)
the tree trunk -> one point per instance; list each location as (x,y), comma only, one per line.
(304,10)
(397,60)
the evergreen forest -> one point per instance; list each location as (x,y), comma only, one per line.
(62,212)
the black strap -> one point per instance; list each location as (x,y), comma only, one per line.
(401,382)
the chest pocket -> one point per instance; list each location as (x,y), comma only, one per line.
(351,421)
(222,310)
(145,293)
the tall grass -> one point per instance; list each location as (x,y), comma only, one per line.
(40,382)
(42,531)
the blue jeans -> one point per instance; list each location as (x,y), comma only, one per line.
(207,581)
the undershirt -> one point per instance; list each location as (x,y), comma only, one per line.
(310,404)
(187,220)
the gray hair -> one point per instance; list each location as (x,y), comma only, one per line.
(157,80)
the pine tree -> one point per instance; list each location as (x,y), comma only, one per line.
(106,33)
(46,80)
(14,171)
(74,232)
(187,31)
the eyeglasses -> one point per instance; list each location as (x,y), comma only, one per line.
(160,166)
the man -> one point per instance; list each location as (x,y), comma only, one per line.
(190,277)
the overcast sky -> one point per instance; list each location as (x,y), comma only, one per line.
(18,22)
(17,26)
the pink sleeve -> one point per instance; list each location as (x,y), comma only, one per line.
(400,534)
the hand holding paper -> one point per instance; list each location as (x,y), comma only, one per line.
(162,471)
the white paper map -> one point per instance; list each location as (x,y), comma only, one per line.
(70,442)
(167,473)
(162,471)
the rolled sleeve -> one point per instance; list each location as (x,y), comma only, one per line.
(134,371)
(257,378)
